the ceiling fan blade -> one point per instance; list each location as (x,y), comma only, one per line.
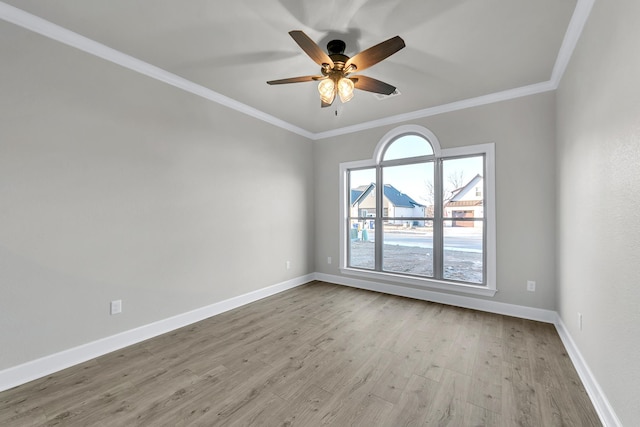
(372,85)
(375,54)
(295,80)
(311,48)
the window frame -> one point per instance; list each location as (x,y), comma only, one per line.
(489,288)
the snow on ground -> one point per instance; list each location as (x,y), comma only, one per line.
(458,264)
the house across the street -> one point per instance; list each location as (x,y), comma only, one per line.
(396,204)
(466,202)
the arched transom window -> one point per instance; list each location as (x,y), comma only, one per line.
(420,214)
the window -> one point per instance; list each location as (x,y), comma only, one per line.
(421,215)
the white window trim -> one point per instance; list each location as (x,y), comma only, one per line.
(488,150)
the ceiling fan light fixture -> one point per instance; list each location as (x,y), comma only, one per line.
(345,89)
(327,90)
(336,66)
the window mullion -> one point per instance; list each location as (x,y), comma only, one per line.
(378,220)
(484,219)
(438,239)
(347,246)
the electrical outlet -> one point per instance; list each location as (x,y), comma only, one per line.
(288,265)
(116,307)
(328,260)
(580,321)
(531,286)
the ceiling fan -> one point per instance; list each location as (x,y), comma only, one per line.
(337,68)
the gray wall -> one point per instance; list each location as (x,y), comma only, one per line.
(523,131)
(599,201)
(116,186)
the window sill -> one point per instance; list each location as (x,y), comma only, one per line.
(422,283)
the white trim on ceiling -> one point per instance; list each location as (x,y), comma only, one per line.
(55,32)
(571,37)
(445,108)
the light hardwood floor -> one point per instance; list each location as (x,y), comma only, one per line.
(322,354)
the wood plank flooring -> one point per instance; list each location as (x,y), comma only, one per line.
(322,354)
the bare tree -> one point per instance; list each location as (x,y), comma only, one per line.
(455,181)
(429,198)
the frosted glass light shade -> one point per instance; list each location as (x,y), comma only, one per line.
(345,89)
(327,90)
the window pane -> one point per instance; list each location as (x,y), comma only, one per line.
(408,243)
(463,189)
(362,194)
(408,247)
(362,244)
(463,251)
(463,212)
(408,146)
(408,191)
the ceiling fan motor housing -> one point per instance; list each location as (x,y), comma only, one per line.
(336,46)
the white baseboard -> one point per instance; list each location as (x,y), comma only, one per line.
(539,314)
(29,371)
(597,396)
(47,365)
(600,402)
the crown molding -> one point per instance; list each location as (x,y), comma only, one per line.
(55,32)
(574,30)
(439,109)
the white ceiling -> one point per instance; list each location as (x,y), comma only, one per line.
(457,50)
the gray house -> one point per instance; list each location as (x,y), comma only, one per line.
(396,204)
(466,202)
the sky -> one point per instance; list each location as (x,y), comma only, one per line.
(413,179)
